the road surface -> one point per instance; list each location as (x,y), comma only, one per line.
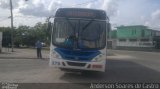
(121,67)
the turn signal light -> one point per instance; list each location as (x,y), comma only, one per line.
(96,66)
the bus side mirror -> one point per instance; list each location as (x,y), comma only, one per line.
(108,29)
(49,30)
(49,27)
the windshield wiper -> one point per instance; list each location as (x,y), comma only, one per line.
(87,25)
(70,23)
(74,35)
(83,29)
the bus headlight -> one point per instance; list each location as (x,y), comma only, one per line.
(55,55)
(98,58)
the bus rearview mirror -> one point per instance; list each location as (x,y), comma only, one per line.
(108,29)
(49,27)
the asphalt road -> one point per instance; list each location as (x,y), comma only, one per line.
(122,67)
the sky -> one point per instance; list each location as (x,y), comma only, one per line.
(120,12)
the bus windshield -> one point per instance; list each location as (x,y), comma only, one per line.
(79,34)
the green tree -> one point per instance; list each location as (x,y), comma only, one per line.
(25,35)
(19,37)
(6,41)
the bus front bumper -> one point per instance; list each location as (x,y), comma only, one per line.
(77,65)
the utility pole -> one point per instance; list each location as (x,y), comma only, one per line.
(12,29)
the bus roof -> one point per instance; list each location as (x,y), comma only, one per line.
(81,13)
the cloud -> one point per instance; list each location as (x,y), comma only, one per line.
(34,8)
(121,12)
(156,15)
(110,6)
(5,4)
(38,8)
(154,20)
(45,8)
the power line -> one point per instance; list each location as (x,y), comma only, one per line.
(27,17)
(23,16)
(15,17)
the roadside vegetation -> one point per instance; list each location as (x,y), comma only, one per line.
(26,36)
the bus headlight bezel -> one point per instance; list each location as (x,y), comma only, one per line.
(98,58)
(55,55)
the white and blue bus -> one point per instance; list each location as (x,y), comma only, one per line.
(78,39)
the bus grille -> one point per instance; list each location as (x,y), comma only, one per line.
(78,58)
(76,64)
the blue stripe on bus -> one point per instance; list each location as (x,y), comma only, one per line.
(73,55)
